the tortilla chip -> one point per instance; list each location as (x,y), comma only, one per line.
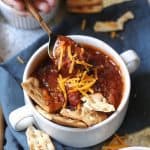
(84,6)
(85,9)
(57,118)
(32,87)
(109,26)
(108,3)
(97,102)
(38,140)
(83,2)
(139,138)
(87,116)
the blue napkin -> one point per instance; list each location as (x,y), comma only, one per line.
(136,35)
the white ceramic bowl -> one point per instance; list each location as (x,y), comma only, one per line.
(77,137)
(24,22)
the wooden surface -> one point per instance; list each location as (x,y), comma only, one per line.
(1,129)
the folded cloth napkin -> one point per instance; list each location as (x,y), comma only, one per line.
(136,36)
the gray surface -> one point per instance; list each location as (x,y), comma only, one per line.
(13,40)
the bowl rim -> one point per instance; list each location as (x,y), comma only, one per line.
(124,100)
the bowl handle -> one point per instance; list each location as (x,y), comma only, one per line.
(131,59)
(21,118)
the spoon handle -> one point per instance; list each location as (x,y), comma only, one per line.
(34,12)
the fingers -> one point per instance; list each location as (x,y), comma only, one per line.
(42,5)
(17,4)
(45,5)
(52,3)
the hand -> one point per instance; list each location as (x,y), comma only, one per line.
(41,5)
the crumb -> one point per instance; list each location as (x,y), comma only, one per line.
(83,24)
(122,38)
(20,60)
(114,34)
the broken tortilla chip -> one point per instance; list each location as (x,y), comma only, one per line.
(109,26)
(84,6)
(87,116)
(57,118)
(108,3)
(97,102)
(139,138)
(38,140)
(32,87)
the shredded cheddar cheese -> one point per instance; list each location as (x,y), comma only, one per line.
(83,93)
(72,57)
(60,58)
(81,83)
(79,106)
(69,52)
(95,73)
(83,63)
(71,67)
(61,48)
(86,83)
(83,75)
(91,91)
(116,143)
(61,83)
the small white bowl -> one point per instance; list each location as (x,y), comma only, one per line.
(24,22)
(77,137)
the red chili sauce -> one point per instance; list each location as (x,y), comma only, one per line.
(109,81)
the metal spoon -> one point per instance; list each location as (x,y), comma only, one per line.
(52,37)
